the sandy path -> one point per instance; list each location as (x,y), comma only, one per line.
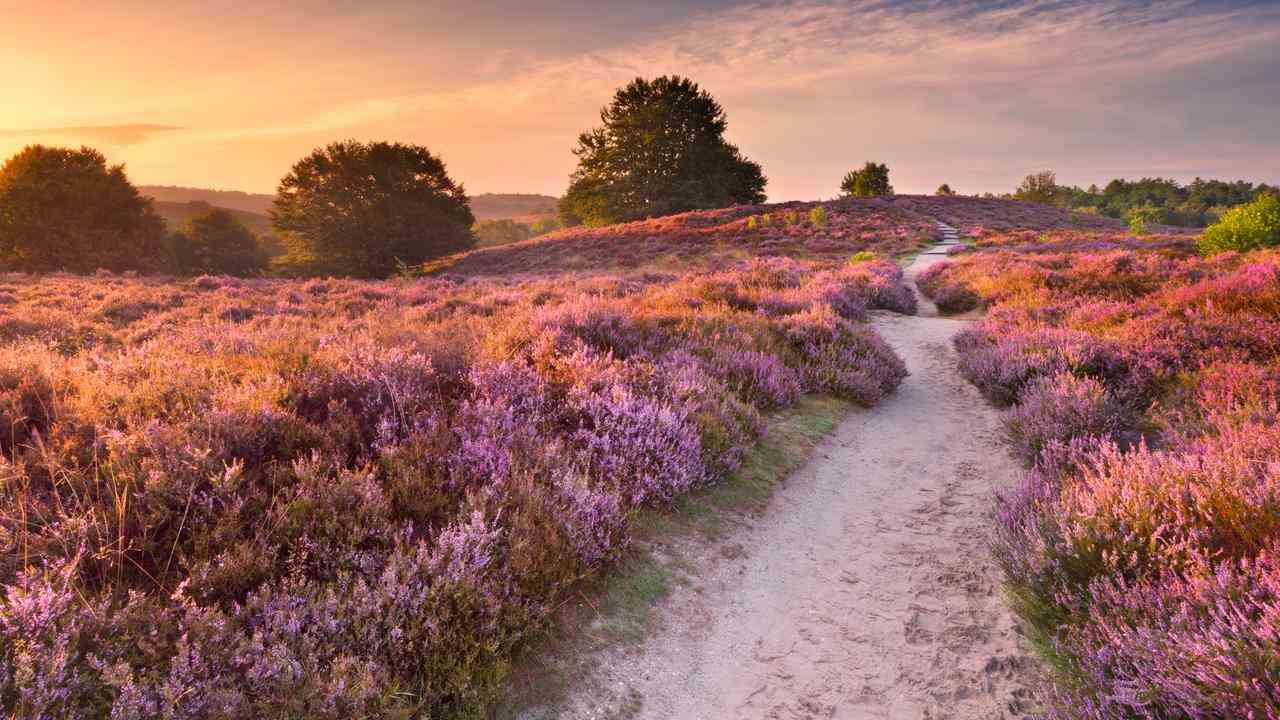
(866,590)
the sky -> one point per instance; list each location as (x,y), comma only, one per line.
(229,95)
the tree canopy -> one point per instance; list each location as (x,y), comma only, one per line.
(944,189)
(363,209)
(659,150)
(1153,200)
(63,209)
(870,181)
(1041,187)
(217,243)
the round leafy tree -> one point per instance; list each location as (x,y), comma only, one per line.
(945,190)
(1041,187)
(63,209)
(660,150)
(219,244)
(870,181)
(364,209)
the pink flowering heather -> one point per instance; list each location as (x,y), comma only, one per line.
(1145,385)
(1059,408)
(335,498)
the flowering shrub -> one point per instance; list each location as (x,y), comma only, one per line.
(1145,385)
(1058,408)
(1251,226)
(335,498)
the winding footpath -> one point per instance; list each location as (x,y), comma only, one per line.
(867,589)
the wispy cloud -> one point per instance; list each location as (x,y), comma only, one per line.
(975,93)
(1012,86)
(108,134)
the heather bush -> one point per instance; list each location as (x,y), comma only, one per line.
(1059,408)
(843,359)
(1177,646)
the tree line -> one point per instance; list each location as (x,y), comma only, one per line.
(1150,200)
(373,209)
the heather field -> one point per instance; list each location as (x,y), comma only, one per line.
(1144,387)
(825,232)
(976,216)
(336,498)
(342,498)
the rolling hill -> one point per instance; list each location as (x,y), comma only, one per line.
(176,215)
(257,203)
(487,206)
(516,206)
(889,226)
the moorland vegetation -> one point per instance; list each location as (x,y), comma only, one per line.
(1144,385)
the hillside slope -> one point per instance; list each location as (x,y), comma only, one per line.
(709,238)
(890,226)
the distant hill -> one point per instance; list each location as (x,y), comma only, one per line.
(709,239)
(889,226)
(228,199)
(488,206)
(176,215)
(516,206)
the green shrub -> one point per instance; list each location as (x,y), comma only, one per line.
(791,217)
(752,223)
(1137,224)
(766,220)
(1247,227)
(818,216)
(1143,217)
(861,257)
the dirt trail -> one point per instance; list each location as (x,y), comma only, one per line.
(866,590)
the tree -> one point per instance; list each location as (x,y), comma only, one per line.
(945,189)
(501,232)
(870,181)
(63,209)
(660,150)
(542,226)
(1041,187)
(217,243)
(363,208)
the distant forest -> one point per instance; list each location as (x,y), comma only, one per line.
(1155,200)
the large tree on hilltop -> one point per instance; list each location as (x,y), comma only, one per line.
(362,209)
(660,150)
(63,209)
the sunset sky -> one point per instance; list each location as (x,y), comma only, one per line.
(228,95)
